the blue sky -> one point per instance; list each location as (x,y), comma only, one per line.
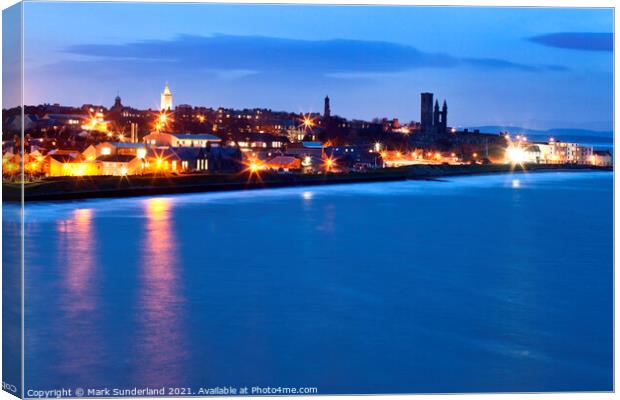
(532,67)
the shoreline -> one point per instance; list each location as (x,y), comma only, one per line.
(71,188)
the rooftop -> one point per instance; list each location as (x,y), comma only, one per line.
(196,136)
(116,158)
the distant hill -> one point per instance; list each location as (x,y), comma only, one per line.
(583,136)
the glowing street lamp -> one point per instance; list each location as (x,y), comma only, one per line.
(329,164)
(254,167)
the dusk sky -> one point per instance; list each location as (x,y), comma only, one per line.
(534,68)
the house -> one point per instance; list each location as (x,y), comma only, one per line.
(161,139)
(533,154)
(284,163)
(90,153)
(120,148)
(196,159)
(303,149)
(73,120)
(259,141)
(563,152)
(119,164)
(225,159)
(358,157)
(584,154)
(191,159)
(66,165)
(602,158)
(14,123)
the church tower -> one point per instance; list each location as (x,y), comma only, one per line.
(426,112)
(166,99)
(444,117)
(436,117)
(327,112)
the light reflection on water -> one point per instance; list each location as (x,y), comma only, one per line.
(160,344)
(80,292)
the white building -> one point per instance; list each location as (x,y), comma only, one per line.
(160,139)
(166,99)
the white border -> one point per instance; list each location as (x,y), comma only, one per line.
(485,3)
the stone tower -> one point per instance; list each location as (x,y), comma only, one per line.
(444,117)
(426,112)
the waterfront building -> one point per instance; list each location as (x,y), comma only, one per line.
(601,158)
(161,139)
(192,159)
(284,163)
(258,141)
(533,154)
(304,149)
(119,164)
(563,152)
(166,99)
(66,165)
(584,154)
(355,157)
(121,148)
(90,153)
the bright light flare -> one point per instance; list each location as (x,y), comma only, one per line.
(516,155)
(307,122)
(329,163)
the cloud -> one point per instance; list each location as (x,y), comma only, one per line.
(287,56)
(587,41)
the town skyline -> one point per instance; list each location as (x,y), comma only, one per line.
(513,73)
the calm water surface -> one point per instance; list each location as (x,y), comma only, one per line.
(493,283)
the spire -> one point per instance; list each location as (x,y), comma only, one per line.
(445,105)
(327,112)
(436,104)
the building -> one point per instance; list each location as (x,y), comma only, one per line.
(602,158)
(161,139)
(426,112)
(563,152)
(284,163)
(183,159)
(584,154)
(118,105)
(305,149)
(119,164)
(192,159)
(432,119)
(259,141)
(67,165)
(355,157)
(166,99)
(121,148)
